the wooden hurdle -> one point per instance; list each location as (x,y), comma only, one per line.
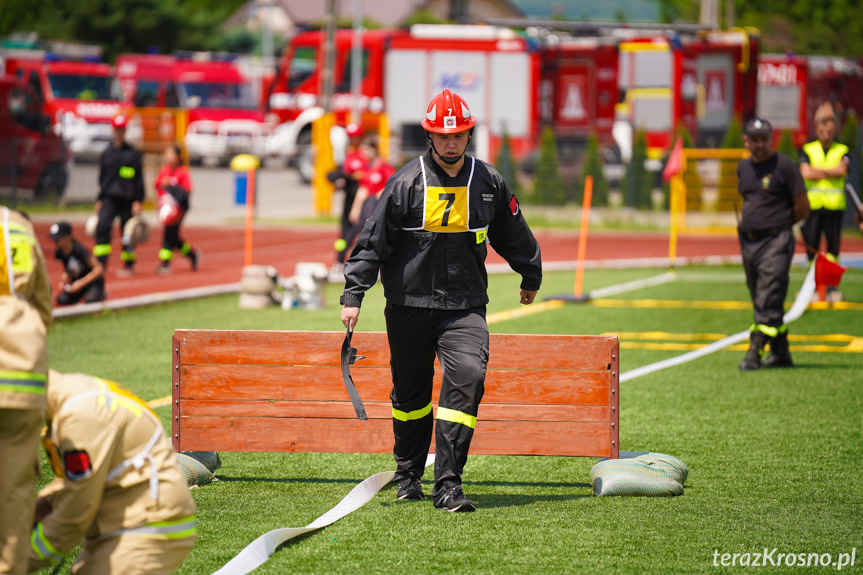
(283,391)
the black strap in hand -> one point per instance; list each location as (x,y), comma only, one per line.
(349,356)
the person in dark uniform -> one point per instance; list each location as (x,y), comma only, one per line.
(427,238)
(83,274)
(774,199)
(121,191)
(824,166)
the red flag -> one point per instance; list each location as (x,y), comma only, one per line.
(675,161)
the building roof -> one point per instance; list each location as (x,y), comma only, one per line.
(285,16)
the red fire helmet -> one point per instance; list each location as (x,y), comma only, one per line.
(448,113)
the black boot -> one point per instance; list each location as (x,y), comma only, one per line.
(779,355)
(752,361)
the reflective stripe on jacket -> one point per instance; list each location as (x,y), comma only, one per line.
(827,193)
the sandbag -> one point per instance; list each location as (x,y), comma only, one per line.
(643,474)
(198,467)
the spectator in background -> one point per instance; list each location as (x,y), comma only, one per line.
(83,276)
(174,180)
(121,191)
(824,166)
(372,184)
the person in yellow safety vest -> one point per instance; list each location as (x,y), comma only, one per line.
(25,315)
(118,484)
(824,165)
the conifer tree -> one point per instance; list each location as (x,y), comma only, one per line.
(547,185)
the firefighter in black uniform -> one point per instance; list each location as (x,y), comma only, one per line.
(774,199)
(427,237)
(121,191)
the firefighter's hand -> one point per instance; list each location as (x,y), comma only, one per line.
(97,206)
(136,208)
(527,296)
(43,508)
(350,315)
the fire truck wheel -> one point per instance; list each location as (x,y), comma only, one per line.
(305,158)
(306,165)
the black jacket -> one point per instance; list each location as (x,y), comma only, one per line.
(429,254)
(121,174)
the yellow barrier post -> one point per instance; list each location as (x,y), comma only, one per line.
(324,163)
(384,136)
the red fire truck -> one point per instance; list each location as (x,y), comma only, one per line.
(224,118)
(699,82)
(32,156)
(77,91)
(493,69)
(610,85)
(790,88)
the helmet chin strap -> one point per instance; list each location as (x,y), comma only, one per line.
(447,160)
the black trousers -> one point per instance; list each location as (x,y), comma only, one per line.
(767,262)
(171,239)
(459,338)
(826,222)
(111,208)
(351,232)
(92,293)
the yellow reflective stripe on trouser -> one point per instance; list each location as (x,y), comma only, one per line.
(22,382)
(128,257)
(102,250)
(166,255)
(176,529)
(41,547)
(456,417)
(767,330)
(411,415)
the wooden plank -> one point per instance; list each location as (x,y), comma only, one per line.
(376,436)
(542,438)
(523,351)
(259,347)
(244,382)
(508,351)
(382,410)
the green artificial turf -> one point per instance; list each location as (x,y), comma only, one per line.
(775,457)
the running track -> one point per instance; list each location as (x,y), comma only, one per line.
(283,248)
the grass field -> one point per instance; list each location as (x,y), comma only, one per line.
(775,457)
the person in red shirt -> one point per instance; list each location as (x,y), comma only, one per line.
(174,180)
(378,172)
(347,178)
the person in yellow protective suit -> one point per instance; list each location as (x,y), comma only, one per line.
(824,166)
(118,484)
(25,315)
